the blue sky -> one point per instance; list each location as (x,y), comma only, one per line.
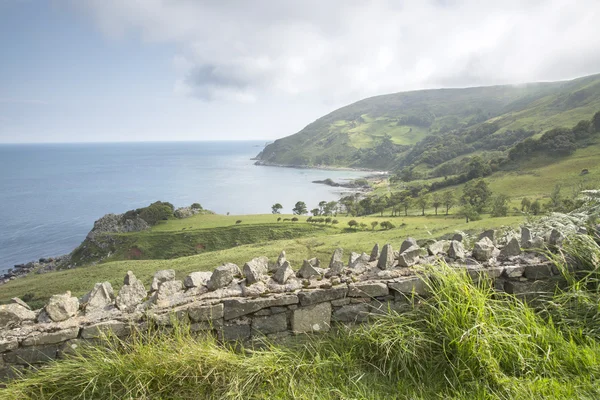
(127,70)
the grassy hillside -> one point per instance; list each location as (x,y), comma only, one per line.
(383,132)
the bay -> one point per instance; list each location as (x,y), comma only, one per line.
(51,194)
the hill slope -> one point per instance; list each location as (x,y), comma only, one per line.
(384,132)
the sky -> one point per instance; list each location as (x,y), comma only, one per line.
(181,70)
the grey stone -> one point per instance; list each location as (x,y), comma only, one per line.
(525,234)
(234,331)
(535,243)
(318,296)
(31,355)
(490,234)
(270,324)
(435,248)
(514,271)
(168,289)
(315,262)
(456,250)
(538,271)
(483,249)
(13,314)
(62,306)
(556,238)
(20,302)
(351,313)
(408,243)
(200,313)
(283,273)
(307,270)
(234,308)
(197,279)
(511,249)
(52,337)
(223,276)
(409,256)
(360,260)
(255,269)
(131,294)
(411,285)
(101,296)
(336,265)
(8,344)
(374,253)
(386,259)
(458,237)
(368,289)
(280,260)
(99,330)
(316,318)
(164,275)
(129,278)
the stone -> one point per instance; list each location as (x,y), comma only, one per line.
(512,248)
(319,296)
(8,344)
(456,250)
(514,271)
(13,314)
(283,273)
(280,260)
(536,243)
(374,253)
(368,289)
(316,318)
(525,234)
(101,296)
(490,234)
(223,276)
(315,262)
(556,238)
(197,279)
(351,313)
(435,248)
(408,243)
(307,270)
(409,256)
(408,286)
(20,302)
(101,329)
(235,308)
(164,275)
(167,290)
(31,355)
(235,331)
(255,269)
(62,306)
(270,324)
(538,271)
(483,249)
(336,265)
(458,237)
(131,293)
(52,337)
(201,313)
(386,259)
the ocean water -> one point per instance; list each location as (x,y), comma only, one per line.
(51,194)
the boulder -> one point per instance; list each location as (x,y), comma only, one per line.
(458,237)
(280,260)
(361,259)
(101,296)
(408,243)
(62,306)
(17,300)
(374,253)
(511,249)
(160,277)
(556,238)
(525,234)
(283,273)
(336,265)
(13,314)
(131,294)
(490,234)
(223,276)
(316,318)
(536,242)
(315,262)
(435,248)
(197,279)
(483,249)
(167,290)
(409,257)
(255,269)
(456,250)
(386,259)
(307,271)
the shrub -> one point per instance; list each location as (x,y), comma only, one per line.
(335,222)
(352,223)
(239,221)
(196,206)
(295,219)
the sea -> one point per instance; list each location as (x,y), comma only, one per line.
(51,194)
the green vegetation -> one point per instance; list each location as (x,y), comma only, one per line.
(465,341)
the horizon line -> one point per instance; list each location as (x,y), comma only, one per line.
(139,142)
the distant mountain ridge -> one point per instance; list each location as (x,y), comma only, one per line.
(393,131)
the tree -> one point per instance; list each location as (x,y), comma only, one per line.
(327,220)
(525,204)
(423,201)
(335,222)
(469,212)
(300,208)
(348,203)
(596,122)
(536,207)
(555,197)
(330,208)
(448,200)
(477,168)
(436,201)
(476,194)
(322,205)
(196,206)
(406,201)
(315,212)
(379,205)
(295,219)
(500,206)
(374,224)
(352,223)
(276,208)
(363,225)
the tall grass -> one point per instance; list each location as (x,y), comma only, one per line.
(466,341)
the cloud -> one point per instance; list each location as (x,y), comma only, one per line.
(336,51)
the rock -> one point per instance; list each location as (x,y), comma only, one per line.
(164,275)
(8,344)
(280,260)
(315,262)
(483,249)
(386,259)
(352,313)
(319,296)
(368,289)
(408,243)
(374,253)
(511,249)
(538,271)
(13,314)
(435,248)
(52,337)
(353,257)
(270,324)
(307,270)
(458,237)
(201,313)
(316,318)
(514,271)
(223,276)
(197,279)
(525,234)
(20,302)
(234,331)
(409,286)
(186,212)
(99,297)
(490,234)
(361,259)
(31,355)
(235,308)
(131,294)
(101,329)
(255,269)
(336,265)
(409,256)
(535,243)
(456,250)
(283,273)
(167,290)
(556,238)
(62,306)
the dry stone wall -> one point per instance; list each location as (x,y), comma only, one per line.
(269,298)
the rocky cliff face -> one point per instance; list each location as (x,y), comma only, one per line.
(117,223)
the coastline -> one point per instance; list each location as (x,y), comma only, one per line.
(261,163)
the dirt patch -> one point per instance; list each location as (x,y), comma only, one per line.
(134,254)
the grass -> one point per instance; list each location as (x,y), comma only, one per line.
(466,341)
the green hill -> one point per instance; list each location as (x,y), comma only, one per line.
(402,129)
